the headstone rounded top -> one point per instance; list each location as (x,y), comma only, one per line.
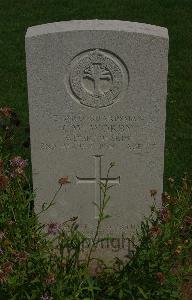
(108,25)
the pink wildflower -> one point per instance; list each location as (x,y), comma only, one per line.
(17,166)
(46,297)
(165,215)
(21,256)
(6,111)
(7,267)
(64,180)
(18,162)
(53,228)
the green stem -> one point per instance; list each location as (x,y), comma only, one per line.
(52,201)
(101,210)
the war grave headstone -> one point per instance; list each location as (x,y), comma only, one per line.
(97,94)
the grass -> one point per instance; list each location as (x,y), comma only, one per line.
(45,261)
(176,15)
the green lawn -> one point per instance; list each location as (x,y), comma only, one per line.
(176,15)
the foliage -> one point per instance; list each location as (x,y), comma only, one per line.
(44,261)
(161,261)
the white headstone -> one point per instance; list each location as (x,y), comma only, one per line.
(97,94)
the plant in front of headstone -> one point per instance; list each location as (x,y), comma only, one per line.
(33,266)
(153,271)
(101,207)
(161,262)
(156,268)
(70,266)
(19,240)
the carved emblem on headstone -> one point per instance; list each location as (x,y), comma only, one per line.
(97,78)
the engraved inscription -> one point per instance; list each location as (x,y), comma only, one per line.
(100,132)
(96,180)
(97,78)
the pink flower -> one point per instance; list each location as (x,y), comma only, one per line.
(6,111)
(53,228)
(64,180)
(165,215)
(7,267)
(18,162)
(17,166)
(46,297)
(21,256)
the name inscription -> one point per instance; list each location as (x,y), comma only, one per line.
(99,132)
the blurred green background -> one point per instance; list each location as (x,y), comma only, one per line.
(176,15)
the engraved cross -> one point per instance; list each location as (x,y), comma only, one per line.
(96,73)
(96,180)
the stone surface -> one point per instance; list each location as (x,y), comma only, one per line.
(97,94)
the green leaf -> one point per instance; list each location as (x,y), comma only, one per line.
(107,216)
(96,205)
(142,293)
